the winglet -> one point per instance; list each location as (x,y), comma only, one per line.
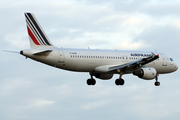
(153,54)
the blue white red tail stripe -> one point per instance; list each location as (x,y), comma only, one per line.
(39,30)
(32,36)
(36,33)
(32,28)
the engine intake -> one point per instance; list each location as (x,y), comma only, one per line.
(146,73)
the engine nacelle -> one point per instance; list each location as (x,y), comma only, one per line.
(146,73)
(103,76)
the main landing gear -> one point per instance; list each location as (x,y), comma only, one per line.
(157,83)
(91,81)
(120,81)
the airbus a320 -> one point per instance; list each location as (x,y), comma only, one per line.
(102,64)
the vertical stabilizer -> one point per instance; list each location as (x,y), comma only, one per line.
(37,36)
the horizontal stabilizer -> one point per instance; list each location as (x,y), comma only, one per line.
(42,52)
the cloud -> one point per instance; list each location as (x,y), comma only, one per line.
(127,45)
(148,7)
(17,40)
(161,38)
(38,103)
(31,90)
(93,105)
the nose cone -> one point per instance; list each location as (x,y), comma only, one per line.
(176,67)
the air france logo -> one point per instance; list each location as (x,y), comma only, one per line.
(140,55)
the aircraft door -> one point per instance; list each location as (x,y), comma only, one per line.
(164,61)
(123,58)
(61,56)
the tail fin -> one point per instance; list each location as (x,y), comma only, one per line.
(37,36)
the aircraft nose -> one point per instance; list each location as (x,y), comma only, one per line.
(175,67)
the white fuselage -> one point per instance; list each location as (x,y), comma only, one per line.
(86,60)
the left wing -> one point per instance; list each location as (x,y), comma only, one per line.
(130,66)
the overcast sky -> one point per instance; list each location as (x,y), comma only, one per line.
(33,91)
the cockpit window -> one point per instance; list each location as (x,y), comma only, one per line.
(171,59)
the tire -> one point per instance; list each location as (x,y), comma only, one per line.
(157,83)
(122,82)
(117,82)
(93,82)
(88,82)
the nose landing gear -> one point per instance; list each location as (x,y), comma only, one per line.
(157,83)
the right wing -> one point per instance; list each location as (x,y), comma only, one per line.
(131,66)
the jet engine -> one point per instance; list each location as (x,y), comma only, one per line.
(146,73)
(103,76)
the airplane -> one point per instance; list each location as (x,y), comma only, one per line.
(102,64)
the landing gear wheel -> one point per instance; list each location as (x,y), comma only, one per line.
(91,81)
(119,82)
(122,82)
(157,83)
